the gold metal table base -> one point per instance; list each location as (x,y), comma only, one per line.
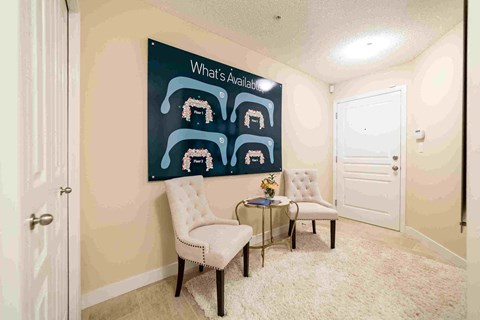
(272,242)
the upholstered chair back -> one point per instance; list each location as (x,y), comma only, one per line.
(188,204)
(301,185)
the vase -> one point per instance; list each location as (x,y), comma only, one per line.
(269,193)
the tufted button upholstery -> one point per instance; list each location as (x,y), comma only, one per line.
(301,185)
(190,213)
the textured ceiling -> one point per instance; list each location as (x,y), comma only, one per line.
(325,38)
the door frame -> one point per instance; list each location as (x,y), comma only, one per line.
(473,157)
(74,275)
(403,140)
(11,231)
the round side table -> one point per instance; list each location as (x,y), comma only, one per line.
(277,202)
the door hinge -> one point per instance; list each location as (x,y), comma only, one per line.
(463,224)
(336,158)
(335,202)
(336,115)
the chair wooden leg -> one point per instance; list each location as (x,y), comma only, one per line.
(246,253)
(314,227)
(332,233)
(290,227)
(294,238)
(200,268)
(220,293)
(181,269)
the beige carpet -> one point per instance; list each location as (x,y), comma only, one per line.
(360,279)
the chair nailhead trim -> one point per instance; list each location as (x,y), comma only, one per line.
(316,219)
(194,246)
(202,264)
(203,254)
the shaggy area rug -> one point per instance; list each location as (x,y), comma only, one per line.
(360,279)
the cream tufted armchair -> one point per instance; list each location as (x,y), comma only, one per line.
(200,236)
(301,185)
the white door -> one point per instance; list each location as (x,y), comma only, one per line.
(368,159)
(45,162)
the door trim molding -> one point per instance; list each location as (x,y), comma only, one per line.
(403,149)
(14,37)
(74,288)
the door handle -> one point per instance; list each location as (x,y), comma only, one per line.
(66,190)
(43,220)
(395,168)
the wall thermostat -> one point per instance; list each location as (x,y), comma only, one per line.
(419,134)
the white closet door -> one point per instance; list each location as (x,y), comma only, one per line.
(45,161)
(368,159)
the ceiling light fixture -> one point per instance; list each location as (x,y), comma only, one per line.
(367,48)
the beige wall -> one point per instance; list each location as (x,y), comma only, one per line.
(125,221)
(434,103)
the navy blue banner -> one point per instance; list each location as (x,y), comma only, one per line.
(208,118)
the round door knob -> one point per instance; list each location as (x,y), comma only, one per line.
(66,190)
(394,168)
(43,220)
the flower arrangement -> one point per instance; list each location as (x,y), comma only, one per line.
(269,185)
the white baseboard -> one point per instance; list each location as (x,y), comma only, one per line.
(256,239)
(118,288)
(437,247)
(121,287)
